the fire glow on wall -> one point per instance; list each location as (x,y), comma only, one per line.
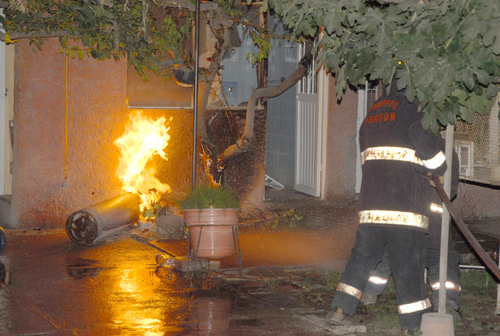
(143,138)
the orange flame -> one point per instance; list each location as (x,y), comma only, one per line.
(142,139)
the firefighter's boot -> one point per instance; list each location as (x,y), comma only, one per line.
(369,299)
(453,310)
(412,332)
(336,316)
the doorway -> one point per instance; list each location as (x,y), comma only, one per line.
(294,131)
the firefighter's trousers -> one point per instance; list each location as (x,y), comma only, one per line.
(378,280)
(406,251)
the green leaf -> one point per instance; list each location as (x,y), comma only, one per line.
(496,46)
(489,37)
(426,121)
(482,76)
(461,95)
(149,213)
(468,80)
(410,93)
(492,90)
(425,76)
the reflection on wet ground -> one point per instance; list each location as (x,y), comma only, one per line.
(51,286)
(80,268)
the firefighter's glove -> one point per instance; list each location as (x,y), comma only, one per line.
(431,181)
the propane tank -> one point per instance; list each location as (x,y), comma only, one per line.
(90,224)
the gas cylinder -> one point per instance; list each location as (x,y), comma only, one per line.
(95,222)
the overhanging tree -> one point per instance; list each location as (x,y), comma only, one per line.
(153,35)
(445,53)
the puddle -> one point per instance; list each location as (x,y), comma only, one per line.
(80,268)
(247,322)
(116,288)
(210,315)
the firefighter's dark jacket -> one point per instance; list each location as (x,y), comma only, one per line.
(391,184)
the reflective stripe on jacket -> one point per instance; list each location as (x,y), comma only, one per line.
(396,155)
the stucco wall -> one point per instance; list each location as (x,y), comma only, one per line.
(340,163)
(476,201)
(96,116)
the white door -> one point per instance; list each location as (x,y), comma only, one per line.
(308,149)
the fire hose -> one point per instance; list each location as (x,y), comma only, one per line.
(465,230)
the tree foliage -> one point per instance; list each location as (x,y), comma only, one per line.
(445,53)
(141,31)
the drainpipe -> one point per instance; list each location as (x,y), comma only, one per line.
(195,103)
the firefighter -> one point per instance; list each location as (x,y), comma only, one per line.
(396,156)
(378,280)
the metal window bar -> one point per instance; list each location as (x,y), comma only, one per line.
(308,83)
(478,147)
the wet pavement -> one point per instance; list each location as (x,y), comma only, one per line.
(52,286)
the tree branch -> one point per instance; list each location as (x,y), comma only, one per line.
(244,142)
(17,36)
(210,152)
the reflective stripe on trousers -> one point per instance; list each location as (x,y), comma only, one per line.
(436,208)
(414,307)
(377,280)
(393,217)
(342,287)
(448,285)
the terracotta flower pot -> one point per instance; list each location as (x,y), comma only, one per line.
(216,230)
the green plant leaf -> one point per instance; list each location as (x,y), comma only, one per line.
(204,197)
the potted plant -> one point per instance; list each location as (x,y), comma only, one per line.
(212,212)
(165,213)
